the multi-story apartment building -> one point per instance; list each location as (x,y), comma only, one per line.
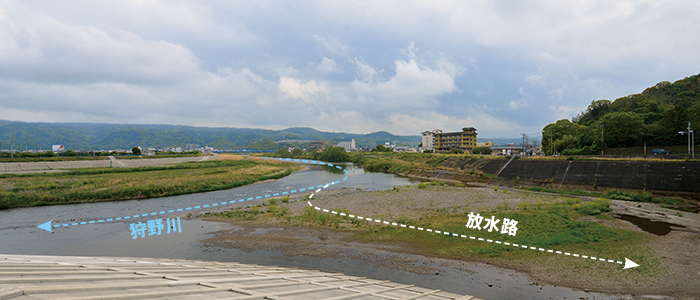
(429,139)
(464,140)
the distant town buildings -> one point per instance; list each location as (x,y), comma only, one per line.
(349,146)
(316,146)
(510,150)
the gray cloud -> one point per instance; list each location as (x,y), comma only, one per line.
(502,67)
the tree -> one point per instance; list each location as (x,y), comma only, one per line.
(297,152)
(554,132)
(283,152)
(481,150)
(623,129)
(594,112)
(381,148)
(136,151)
(333,154)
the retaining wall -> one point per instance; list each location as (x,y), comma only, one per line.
(661,176)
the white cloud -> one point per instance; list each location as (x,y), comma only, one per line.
(519,103)
(296,89)
(565,112)
(332,44)
(327,66)
(365,72)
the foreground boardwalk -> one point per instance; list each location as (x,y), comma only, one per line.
(69,277)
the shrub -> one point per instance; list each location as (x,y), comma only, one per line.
(481,150)
(596,207)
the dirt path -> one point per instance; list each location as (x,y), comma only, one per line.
(677,252)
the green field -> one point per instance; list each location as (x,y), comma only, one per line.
(110,184)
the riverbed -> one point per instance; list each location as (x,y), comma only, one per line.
(19,235)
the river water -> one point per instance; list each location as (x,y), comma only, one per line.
(19,235)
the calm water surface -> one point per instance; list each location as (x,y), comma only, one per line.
(19,235)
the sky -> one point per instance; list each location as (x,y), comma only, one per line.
(504,67)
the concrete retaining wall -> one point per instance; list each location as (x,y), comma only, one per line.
(661,176)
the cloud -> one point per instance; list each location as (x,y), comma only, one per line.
(327,66)
(346,65)
(365,72)
(565,112)
(296,89)
(520,103)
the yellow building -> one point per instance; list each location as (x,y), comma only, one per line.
(464,140)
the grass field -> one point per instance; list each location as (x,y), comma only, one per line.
(110,184)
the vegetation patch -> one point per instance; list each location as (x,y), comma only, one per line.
(110,184)
(671,203)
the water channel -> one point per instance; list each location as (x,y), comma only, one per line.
(19,235)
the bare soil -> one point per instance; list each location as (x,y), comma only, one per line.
(677,276)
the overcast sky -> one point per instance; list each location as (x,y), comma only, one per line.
(504,67)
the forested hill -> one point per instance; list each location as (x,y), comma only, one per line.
(654,116)
(86,136)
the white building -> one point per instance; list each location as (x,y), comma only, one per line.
(348,145)
(429,139)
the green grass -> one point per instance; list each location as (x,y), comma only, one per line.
(558,226)
(407,163)
(671,203)
(110,184)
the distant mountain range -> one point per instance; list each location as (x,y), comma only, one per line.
(92,136)
(89,136)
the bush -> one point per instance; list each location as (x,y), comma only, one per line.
(596,207)
(481,150)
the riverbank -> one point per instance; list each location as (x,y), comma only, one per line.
(114,184)
(668,264)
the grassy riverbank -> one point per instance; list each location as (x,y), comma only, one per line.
(417,163)
(545,221)
(111,184)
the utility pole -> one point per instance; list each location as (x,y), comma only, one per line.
(12,141)
(688,138)
(602,137)
(691,137)
(524,136)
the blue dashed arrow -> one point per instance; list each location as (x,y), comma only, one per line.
(48,227)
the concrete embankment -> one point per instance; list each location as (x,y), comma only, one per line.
(662,176)
(674,177)
(70,277)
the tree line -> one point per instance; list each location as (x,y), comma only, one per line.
(653,117)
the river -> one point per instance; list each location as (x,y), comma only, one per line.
(19,235)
